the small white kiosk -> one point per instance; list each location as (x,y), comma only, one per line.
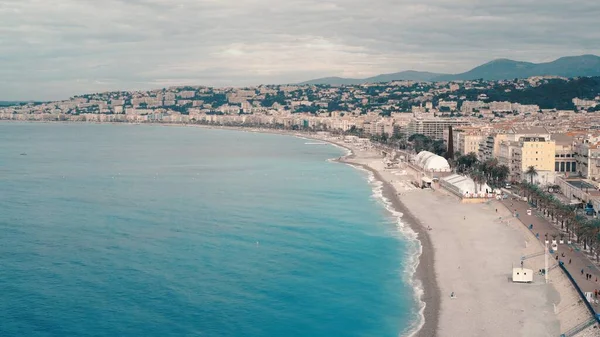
(554,246)
(522,275)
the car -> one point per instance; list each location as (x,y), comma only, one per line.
(507,185)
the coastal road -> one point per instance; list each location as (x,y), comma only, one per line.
(578,261)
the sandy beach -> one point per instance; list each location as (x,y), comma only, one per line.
(469,251)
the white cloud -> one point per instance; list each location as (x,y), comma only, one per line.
(56,48)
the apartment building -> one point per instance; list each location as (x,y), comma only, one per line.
(465,139)
(564,157)
(433,128)
(489,146)
(510,155)
(587,157)
(538,152)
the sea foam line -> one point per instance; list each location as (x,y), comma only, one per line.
(412,236)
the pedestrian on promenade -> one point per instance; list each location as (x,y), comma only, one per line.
(569,261)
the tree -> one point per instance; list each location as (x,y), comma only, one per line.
(466,163)
(532,173)
(478,179)
(499,175)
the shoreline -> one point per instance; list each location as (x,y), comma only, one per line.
(424,274)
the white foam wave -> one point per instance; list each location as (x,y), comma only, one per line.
(414,255)
(318,141)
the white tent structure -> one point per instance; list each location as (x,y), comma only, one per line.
(432,162)
(465,186)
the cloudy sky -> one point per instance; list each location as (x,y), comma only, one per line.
(52,49)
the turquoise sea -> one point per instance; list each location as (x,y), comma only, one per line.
(125,230)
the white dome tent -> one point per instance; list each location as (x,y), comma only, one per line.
(431,162)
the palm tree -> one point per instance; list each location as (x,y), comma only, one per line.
(499,175)
(466,163)
(531,172)
(478,178)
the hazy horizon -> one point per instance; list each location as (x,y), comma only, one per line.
(52,52)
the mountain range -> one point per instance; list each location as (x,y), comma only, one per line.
(500,69)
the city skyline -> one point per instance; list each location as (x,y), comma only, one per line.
(54,52)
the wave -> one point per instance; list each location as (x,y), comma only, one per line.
(416,247)
(317,141)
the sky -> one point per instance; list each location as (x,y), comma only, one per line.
(54,49)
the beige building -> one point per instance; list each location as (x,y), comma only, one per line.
(587,157)
(490,145)
(538,152)
(510,156)
(564,157)
(465,139)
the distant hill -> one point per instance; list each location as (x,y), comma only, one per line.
(500,69)
(409,75)
(334,81)
(504,69)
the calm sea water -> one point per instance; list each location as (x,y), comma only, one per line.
(122,230)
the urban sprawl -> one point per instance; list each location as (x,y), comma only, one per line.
(550,123)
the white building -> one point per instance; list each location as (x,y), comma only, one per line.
(431,162)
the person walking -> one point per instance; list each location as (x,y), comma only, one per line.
(569,261)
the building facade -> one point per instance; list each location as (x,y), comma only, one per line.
(433,128)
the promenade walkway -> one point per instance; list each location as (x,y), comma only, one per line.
(574,260)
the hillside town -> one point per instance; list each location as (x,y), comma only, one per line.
(548,127)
